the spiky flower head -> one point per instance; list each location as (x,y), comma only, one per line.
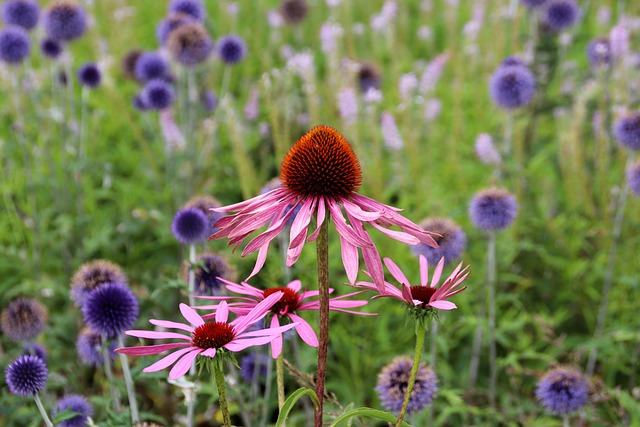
(452,240)
(512,87)
(51,48)
(206,204)
(157,95)
(560,15)
(77,404)
(110,309)
(633,178)
(26,376)
(394,378)
(190,44)
(231,49)
(493,209)
(192,8)
(149,66)
(23,13)
(92,275)
(190,225)
(170,23)
(23,319)
(89,75)
(208,270)
(65,21)
(254,365)
(599,52)
(89,347)
(563,390)
(512,61)
(14,45)
(627,131)
(293,11)
(35,349)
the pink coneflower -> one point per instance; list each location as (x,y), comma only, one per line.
(291,302)
(321,174)
(207,338)
(423,295)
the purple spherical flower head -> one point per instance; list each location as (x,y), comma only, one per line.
(170,23)
(50,48)
(633,178)
(231,49)
(190,44)
(368,77)
(36,349)
(451,244)
(206,204)
(14,45)
(65,21)
(293,11)
(599,52)
(190,225)
(89,75)
(493,209)
(254,364)
(533,3)
(627,131)
(23,13)
(89,347)
(91,275)
(23,319)
(559,15)
(110,309)
(563,390)
(209,100)
(512,87)
(208,270)
(193,8)
(77,404)
(393,380)
(510,61)
(149,66)
(26,376)
(158,95)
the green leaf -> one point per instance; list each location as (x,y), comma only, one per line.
(67,414)
(291,400)
(367,412)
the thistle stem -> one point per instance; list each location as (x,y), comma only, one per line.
(115,396)
(131,392)
(222,394)
(491,279)
(565,420)
(43,412)
(322,249)
(280,382)
(420,333)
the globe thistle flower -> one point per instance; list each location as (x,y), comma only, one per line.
(190,44)
(92,275)
(206,338)
(157,95)
(138,102)
(26,376)
(14,45)
(206,204)
(192,8)
(293,11)
(89,347)
(633,178)
(150,66)
(486,151)
(209,100)
(627,131)
(190,225)
(254,365)
(512,87)
(170,23)
(493,209)
(128,63)
(533,3)
(563,390)
(89,75)
(559,15)
(599,52)
(368,77)
(65,21)
(23,319)
(22,13)
(231,49)
(512,61)
(51,48)
(208,270)
(35,349)
(450,245)
(110,309)
(77,404)
(393,380)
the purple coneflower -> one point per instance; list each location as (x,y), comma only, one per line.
(77,404)
(23,319)
(320,173)
(394,378)
(563,390)
(23,13)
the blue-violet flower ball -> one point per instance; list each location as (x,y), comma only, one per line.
(190,225)
(533,3)
(35,349)
(65,21)
(205,204)
(511,61)
(254,364)
(451,244)
(77,404)
(190,44)
(231,49)
(158,95)
(559,15)
(208,270)
(563,390)
(170,23)
(23,319)
(89,348)
(193,8)
(111,309)
(26,376)
(23,13)
(599,52)
(89,75)
(393,380)
(51,48)
(627,131)
(149,66)
(633,178)
(14,45)
(493,209)
(91,275)
(512,87)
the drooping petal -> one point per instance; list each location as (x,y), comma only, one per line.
(183,365)
(350,259)
(156,335)
(145,350)
(320,213)
(167,360)
(262,257)
(357,212)
(400,236)
(301,222)
(191,315)
(169,324)
(345,230)
(222,313)
(305,330)
(276,344)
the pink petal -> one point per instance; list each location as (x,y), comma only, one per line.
(346,304)
(400,236)
(174,325)
(145,350)
(350,259)
(305,330)
(320,213)
(191,315)
(258,312)
(295,285)
(155,335)
(343,229)
(276,344)
(406,294)
(262,257)
(424,271)
(265,332)
(210,352)
(184,364)
(302,220)
(239,345)
(396,272)
(443,305)
(357,212)
(437,273)
(167,360)
(222,313)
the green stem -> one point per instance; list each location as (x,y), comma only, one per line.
(322,250)
(491,278)
(222,393)
(280,382)
(115,396)
(131,392)
(45,417)
(420,333)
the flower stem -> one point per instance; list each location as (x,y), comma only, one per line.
(322,250)
(191,291)
(280,382)
(222,393)
(565,420)
(43,412)
(420,332)
(115,396)
(432,360)
(491,278)
(131,392)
